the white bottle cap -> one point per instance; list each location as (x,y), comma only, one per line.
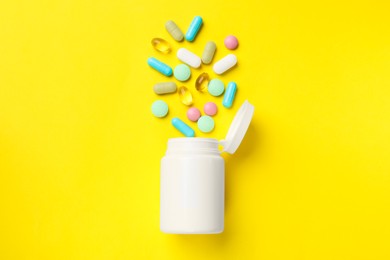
(238,128)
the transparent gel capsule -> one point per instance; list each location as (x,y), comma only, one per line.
(161,45)
(185,96)
(202,82)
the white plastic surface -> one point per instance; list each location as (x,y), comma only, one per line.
(188,57)
(192,180)
(192,187)
(238,128)
(225,63)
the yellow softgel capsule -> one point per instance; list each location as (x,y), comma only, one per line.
(161,45)
(185,96)
(202,82)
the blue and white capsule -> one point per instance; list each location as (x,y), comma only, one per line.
(230,94)
(183,127)
(160,67)
(194,28)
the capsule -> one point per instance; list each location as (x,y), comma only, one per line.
(230,94)
(185,96)
(174,31)
(225,63)
(183,127)
(188,57)
(194,28)
(161,45)
(202,82)
(165,88)
(208,52)
(160,67)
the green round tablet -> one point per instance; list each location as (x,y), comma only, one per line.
(206,124)
(182,72)
(216,87)
(159,108)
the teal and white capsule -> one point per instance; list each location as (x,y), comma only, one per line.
(183,127)
(230,94)
(194,28)
(160,67)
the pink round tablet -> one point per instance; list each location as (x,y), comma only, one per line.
(231,42)
(210,108)
(193,114)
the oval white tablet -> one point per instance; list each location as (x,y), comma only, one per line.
(188,57)
(225,63)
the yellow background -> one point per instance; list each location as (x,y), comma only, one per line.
(80,150)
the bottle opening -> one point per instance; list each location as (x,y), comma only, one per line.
(193,145)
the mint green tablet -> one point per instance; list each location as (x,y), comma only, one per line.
(159,108)
(216,87)
(182,72)
(206,124)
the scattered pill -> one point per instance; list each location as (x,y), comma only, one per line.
(159,108)
(202,82)
(194,28)
(230,94)
(182,72)
(161,45)
(193,114)
(165,88)
(225,63)
(216,87)
(183,127)
(210,109)
(231,42)
(188,57)
(208,52)
(206,124)
(160,67)
(174,30)
(185,96)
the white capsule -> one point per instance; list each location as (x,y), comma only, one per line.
(225,63)
(188,57)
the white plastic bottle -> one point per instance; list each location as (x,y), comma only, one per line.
(192,196)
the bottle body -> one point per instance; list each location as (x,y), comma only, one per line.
(192,187)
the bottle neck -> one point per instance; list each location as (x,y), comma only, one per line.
(191,145)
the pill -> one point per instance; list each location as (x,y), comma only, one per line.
(208,52)
(231,42)
(183,127)
(182,72)
(188,57)
(194,28)
(216,87)
(230,93)
(160,67)
(185,96)
(210,109)
(206,124)
(225,63)
(202,81)
(161,45)
(174,30)
(159,108)
(193,114)
(165,88)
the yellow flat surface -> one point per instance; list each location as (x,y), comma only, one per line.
(80,150)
